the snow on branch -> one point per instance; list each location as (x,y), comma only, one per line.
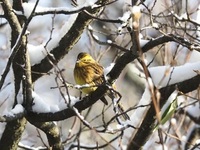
(16,113)
(166,75)
(40,106)
(185,86)
(67,41)
(169,38)
(27,7)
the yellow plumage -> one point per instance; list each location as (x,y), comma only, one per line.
(88,71)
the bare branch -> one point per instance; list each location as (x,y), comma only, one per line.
(169,38)
(67,42)
(149,120)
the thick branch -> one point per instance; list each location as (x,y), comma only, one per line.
(148,123)
(52,132)
(69,112)
(10,16)
(12,134)
(169,38)
(14,129)
(185,86)
(67,42)
(27,83)
(16,28)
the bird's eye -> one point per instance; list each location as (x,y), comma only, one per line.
(78,58)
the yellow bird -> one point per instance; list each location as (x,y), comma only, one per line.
(89,71)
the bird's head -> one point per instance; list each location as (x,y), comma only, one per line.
(84,58)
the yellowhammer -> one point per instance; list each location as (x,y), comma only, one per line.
(88,71)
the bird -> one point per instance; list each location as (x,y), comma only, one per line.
(88,71)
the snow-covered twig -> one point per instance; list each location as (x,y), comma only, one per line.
(16,113)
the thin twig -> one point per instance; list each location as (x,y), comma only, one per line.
(15,48)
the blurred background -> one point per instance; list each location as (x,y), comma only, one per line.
(156,16)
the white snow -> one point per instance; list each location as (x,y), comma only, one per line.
(50,100)
(135,9)
(108,68)
(62,105)
(143,42)
(90,27)
(95,6)
(7,97)
(138,114)
(158,74)
(96,37)
(167,75)
(86,3)
(41,106)
(16,110)
(174,121)
(37,53)
(28,7)
(31,147)
(193,109)
(109,41)
(125,19)
(110,129)
(125,16)
(197,141)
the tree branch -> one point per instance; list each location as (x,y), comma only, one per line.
(52,132)
(67,42)
(169,38)
(185,86)
(148,123)
(14,129)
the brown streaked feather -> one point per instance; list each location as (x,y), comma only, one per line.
(88,71)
